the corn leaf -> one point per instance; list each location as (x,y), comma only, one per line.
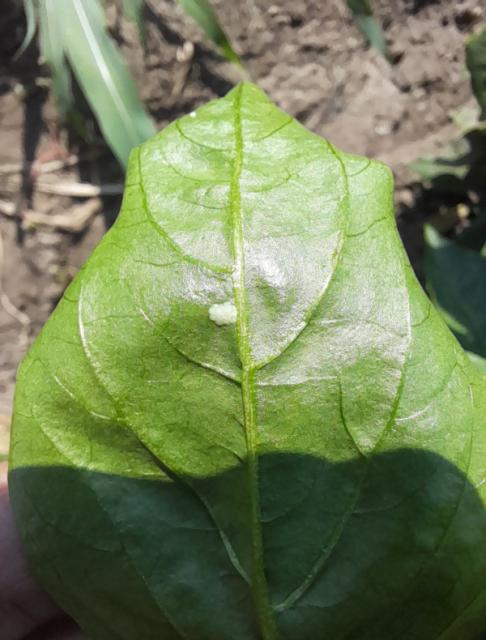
(31,20)
(369,26)
(202,12)
(133,10)
(104,78)
(51,44)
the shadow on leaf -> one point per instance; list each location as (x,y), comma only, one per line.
(389,547)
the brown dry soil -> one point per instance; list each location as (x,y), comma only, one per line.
(306,54)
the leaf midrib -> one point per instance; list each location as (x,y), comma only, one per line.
(259,582)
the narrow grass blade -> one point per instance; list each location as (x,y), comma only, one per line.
(31,20)
(202,12)
(104,77)
(476,63)
(369,26)
(51,27)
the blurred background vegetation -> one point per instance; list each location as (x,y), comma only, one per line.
(84,81)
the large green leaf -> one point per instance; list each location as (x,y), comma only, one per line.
(476,63)
(245,420)
(456,276)
(104,78)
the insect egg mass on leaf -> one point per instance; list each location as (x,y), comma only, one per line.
(224,313)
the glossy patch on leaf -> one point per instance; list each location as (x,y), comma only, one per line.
(314,469)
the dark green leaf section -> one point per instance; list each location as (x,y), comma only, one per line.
(245,417)
(476,63)
(457,280)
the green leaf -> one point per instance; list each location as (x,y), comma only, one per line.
(454,162)
(202,12)
(474,235)
(466,118)
(476,63)
(31,21)
(133,10)
(245,420)
(456,277)
(369,26)
(460,167)
(104,78)
(51,44)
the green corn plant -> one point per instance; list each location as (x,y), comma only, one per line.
(75,41)
(201,12)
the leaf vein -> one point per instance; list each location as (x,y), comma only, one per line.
(259,581)
(166,236)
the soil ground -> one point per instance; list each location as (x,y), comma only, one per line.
(306,54)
